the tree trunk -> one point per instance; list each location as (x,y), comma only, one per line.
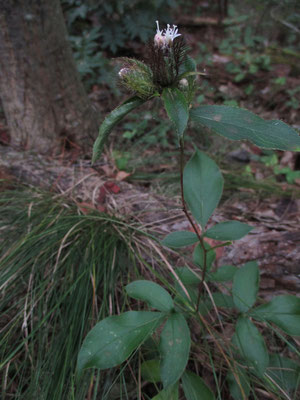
(43,99)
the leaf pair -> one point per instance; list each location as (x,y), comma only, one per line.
(231,122)
(203,186)
(115,338)
(224,231)
(283,311)
(175,338)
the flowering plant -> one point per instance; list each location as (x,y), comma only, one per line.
(164,60)
(168,72)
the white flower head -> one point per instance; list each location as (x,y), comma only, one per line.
(164,38)
(159,39)
(171,34)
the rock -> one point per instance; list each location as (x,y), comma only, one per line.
(240,155)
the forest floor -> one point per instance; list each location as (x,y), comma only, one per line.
(262,188)
(137,178)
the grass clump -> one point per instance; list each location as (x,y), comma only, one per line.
(58,276)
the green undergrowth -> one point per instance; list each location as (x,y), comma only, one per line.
(149,166)
(61,272)
(233,182)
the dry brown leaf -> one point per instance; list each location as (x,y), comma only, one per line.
(121,176)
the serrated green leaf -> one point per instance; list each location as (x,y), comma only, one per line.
(150,371)
(223,274)
(155,296)
(251,344)
(229,230)
(245,286)
(177,108)
(285,372)
(194,387)
(174,347)
(283,311)
(110,121)
(203,186)
(180,239)
(113,339)
(238,124)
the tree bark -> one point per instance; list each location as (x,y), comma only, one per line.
(42,96)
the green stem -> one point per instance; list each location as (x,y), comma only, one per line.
(194,226)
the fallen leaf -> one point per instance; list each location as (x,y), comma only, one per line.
(112,187)
(102,195)
(121,175)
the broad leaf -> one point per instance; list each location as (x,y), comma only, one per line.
(188,277)
(229,230)
(150,371)
(171,393)
(156,296)
(198,256)
(251,345)
(177,108)
(191,282)
(223,274)
(237,124)
(180,239)
(223,300)
(112,340)
(181,296)
(175,347)
(203,186)
(194,387)
(245,286)
(236,387)
(283,311)
(285,372)
(188,65)
(110,121)
(150,347)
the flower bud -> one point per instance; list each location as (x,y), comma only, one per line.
(159,39)
(183,83)
(123,72)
